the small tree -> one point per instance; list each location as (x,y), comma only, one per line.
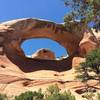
(83,75)
(3,97)
(53,93)
(84,10)
(92,64)
(36,95)
(98,96)
(25,96)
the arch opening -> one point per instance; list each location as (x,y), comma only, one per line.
(34,46)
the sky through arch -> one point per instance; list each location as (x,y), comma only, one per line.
(35,44)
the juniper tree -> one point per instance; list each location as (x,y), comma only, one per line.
(84,10)
(90,69)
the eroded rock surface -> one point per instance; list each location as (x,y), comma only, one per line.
(97,34)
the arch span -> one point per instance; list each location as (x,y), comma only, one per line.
(22,29)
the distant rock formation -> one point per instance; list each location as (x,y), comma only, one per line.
(44,54)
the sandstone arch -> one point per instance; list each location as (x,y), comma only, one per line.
(33,47)
(17,31)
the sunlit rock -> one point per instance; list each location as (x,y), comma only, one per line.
(44,54)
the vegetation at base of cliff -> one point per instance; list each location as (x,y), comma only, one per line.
(29,95)
(51,93)
(3,97)
(85,11)
(98,96)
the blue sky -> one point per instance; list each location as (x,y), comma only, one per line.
(53,10)
(30,46)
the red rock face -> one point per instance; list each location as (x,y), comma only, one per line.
(18,72)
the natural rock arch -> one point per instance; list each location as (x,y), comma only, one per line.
(37,46)
(17,31)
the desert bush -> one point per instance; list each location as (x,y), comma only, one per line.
(98,96)
(25,96)
(3,97)
(53,93)
(36,95)
(93,61)
(91,65)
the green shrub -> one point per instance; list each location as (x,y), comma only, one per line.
(68,96)
(3,97)
(60,96)
(25,96)
(53,93)
(38,95)
(30,96)
(53,89)
(92,64)
(93,61)
(98,96)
